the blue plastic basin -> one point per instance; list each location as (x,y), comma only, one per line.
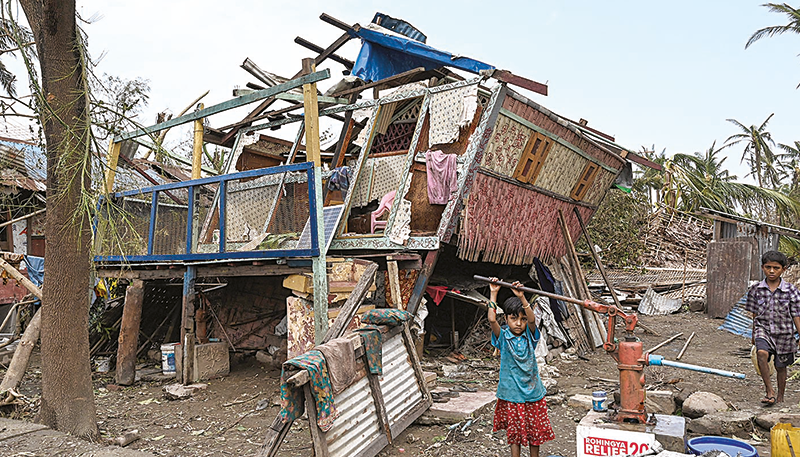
(729,446)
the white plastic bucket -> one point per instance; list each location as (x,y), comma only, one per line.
(168,358)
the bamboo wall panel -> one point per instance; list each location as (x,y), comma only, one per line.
(561,170)
(509,224)
(505,146)
(601,184)
(544,121)
(425,217)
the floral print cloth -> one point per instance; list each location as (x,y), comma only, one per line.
(386,316)
(373,348)
(292,399)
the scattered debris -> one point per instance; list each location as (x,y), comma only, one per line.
(181,392)
(127,438)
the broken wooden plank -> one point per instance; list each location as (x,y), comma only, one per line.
(382,82)
(680,354)
(510,78)
(365,282)
(319,50)
(422,281)
(394,284)
(266,103)
(665,342)
(267,93)
(19,362)
(129,333)
(317,438)
(380,404)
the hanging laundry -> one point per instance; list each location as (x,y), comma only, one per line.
(442,182)
(547,283)
(449,111)
(340,180)
(469,105)
(341,361)
(292,399)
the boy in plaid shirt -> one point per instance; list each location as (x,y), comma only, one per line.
(775,305)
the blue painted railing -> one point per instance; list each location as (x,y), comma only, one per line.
(222,181)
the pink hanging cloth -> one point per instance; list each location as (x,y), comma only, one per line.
(442,182)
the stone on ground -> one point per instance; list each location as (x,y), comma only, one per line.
(659,402)
(687,389)
(24,438)
(768,420)
(181,392)
(701,403)
(580,401)
(727,423)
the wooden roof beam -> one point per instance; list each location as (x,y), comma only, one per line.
(227,140)
(510,78)
(319,50)
(382,82)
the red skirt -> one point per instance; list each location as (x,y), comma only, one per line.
(525,424)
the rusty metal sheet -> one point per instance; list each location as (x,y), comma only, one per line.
(728,275)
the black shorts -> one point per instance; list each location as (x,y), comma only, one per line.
(781,360)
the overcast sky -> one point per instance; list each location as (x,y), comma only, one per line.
(665,73)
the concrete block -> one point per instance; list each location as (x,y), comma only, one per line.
(580,401)
(211,360)
(466,405)
(659,402)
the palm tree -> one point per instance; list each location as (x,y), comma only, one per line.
(651,181)
(699,180)
(12,38)
(764,164)
(793,26)
(790,162)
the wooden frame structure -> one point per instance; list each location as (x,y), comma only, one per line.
(571,169)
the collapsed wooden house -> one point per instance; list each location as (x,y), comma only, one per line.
(435,169)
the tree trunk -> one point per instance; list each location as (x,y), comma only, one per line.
(67,396)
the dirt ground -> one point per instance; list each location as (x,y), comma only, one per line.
(231,415)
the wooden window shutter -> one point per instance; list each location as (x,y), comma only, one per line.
(585,181)
(532,159)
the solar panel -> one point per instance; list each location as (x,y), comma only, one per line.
(330,216)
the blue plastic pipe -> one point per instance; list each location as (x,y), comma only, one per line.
(658,360)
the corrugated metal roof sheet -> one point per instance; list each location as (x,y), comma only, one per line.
(655,304)
(401,393)
(22,165)
(357,427)
(738,321)
(357,431)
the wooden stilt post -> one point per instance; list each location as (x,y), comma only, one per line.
(113,158)
(129,333)
(197,146)
(313,155)
(187,327)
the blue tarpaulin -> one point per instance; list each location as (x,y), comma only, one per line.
(383,56)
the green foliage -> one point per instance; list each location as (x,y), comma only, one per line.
(116,102)
(617,227)
(792,25)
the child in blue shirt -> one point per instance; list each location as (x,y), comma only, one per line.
(521,408)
